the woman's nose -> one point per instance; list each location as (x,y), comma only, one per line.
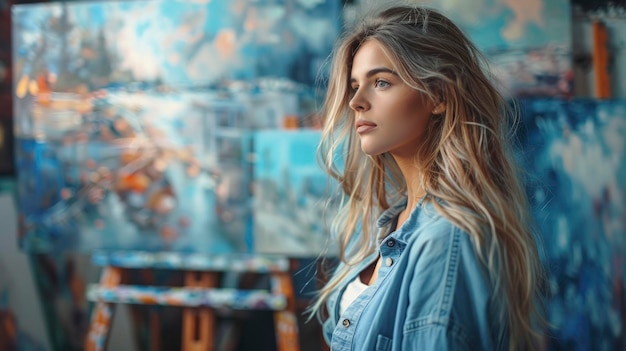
(358,103)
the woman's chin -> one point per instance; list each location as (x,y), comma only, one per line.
(371,151)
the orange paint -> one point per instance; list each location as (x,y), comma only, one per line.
(135,182)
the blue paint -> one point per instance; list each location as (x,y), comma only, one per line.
(576,166)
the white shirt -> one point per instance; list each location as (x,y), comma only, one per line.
(353,290)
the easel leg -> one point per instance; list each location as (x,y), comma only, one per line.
(155,335)
(102,315)
(154,322)
(285,322)
(198,323)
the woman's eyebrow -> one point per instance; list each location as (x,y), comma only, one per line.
(375,71)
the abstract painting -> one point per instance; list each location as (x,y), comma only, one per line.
(133,120)
(575,154)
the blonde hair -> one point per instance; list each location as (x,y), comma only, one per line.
(466,160)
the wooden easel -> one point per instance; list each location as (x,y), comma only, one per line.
(199,296)
(600,58)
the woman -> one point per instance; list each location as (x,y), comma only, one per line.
(436,250)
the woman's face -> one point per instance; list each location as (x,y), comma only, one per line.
(390,115)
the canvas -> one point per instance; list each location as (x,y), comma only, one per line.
(575,156)
(133,119)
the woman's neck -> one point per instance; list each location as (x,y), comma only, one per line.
(415,191)
(413,178)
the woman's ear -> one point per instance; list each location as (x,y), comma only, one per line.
(439,109)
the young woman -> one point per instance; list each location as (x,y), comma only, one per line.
(436,250)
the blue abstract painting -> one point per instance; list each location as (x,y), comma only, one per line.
(133,119)
(528,43)
(575,154)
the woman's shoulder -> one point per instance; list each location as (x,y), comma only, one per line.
(430,224)
(439,235)
(435,241)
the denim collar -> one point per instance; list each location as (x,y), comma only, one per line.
(423,211)
(394,210)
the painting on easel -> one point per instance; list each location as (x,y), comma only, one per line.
(133,119)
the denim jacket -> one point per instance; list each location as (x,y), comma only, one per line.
(432,292)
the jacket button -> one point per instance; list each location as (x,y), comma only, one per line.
(388,261)
(346,323)
(391,243)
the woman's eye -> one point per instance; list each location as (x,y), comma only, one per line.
(381,84)
(354,88)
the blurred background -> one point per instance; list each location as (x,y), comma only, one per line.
(190,127)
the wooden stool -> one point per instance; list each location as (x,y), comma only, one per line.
(199,296)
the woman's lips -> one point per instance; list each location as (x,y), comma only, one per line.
(364,126)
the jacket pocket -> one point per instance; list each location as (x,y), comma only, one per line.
(383,343)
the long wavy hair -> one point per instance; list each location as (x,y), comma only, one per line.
(466,161)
